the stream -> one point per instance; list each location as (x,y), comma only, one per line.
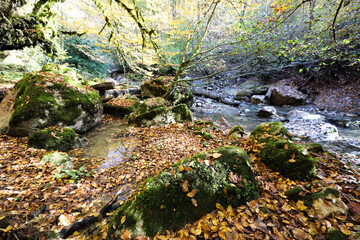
(105,143)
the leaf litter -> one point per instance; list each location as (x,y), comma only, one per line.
(35,202)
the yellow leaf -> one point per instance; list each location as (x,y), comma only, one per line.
(222,235)
(125,235)
(192,193)
(218,206)
(238,226)
(344,230)
(292,160)
(123,219)
(76,233)
(181,168)
(216,155)
(8,228)
(193,201)
(313,231)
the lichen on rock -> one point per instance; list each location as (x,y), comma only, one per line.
(186,191)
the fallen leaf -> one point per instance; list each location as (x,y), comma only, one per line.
(192,193)
(193,201)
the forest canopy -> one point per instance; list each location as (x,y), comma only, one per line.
(148,36)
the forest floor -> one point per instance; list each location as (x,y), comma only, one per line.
(34,200)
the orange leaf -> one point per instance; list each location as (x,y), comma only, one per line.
(286,146)
(125,235)
(181,168)
(192,193)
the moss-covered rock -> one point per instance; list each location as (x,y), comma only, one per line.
(162,116)
(186,191)
(150,104)
(336,234)
(267,131)
(59,159)
(325,202)
(53,138)
(122,106)
(236,130)
(291,160)
(205,135)
(315,147)
(49,98)
(157,87)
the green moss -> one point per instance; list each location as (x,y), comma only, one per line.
(315,147)
(336,234)
(162,203)
(203,123)
(205,135)
(54,98)
(150,104)
(297,193)
(53,138)
(154,87)
(237,129)
(291,160)
(266,131)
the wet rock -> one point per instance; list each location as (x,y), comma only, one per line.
(286,95)
(103,86)
(346,123)
(258,99)
(266,111)
(244,93)
(176,201)
(53,96)
(310,126)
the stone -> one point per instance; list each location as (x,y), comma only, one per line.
(162,116)
(266,111)
(258,99)
(59,159)
(103,86)
(310,126)
(267,131)
(53,96)
(289,159)
(122,106)
(244,93)
(235,132)
(176,201)
(53,138)
(325,203)
(286,95)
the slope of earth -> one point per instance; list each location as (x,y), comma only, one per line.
(35,200)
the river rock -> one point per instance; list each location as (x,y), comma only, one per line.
(244,93)
(186,191)
(59,159)
(310,126)
(52,96)
(53,138)
(267,131)
(162,116)
(122,106)
(258,99)
(267,111)
(286,95)
(326,202)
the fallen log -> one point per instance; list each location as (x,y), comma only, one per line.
(214,96)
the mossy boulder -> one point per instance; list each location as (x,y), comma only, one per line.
(325,202)
(186,191)
(291,160)
(205,135)
(157,87)
(59,159)
(150,104)
(53,138)
(123,106)
(162,116)
(315,148)
(235,132)
(50,98)
(269,131)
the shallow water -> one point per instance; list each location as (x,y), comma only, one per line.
(104,143)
